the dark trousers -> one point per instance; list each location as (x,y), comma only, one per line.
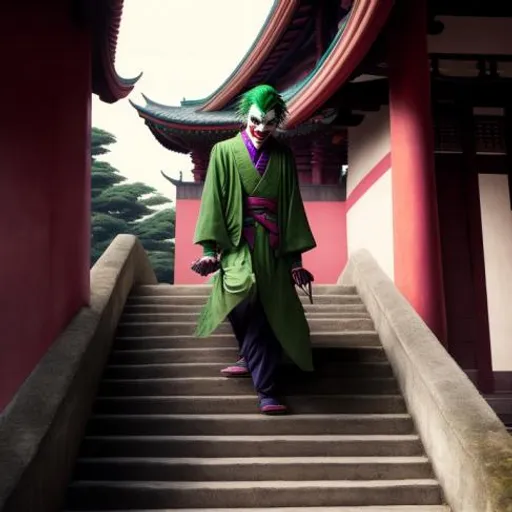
(257,344)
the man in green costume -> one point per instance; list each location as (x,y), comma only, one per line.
(253,229)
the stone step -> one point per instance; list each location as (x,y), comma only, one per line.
(336,339)
(252,468)
(377,508)
(177,289)
(206,354)
(181,317)
(222,386)
(349,445)
(173,370)
(201,299)
(310,309)
(291,445)
(317,325)
(248,404)
(114,495)
(256,424)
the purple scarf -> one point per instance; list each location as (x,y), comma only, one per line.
(259,157)
(260,209)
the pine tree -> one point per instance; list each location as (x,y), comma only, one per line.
(119,207)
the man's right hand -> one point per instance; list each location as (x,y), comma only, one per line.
(206,265)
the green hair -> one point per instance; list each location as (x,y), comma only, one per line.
(266,98)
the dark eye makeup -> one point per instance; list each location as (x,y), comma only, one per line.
(255,120)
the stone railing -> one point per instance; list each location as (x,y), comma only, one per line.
(42,428)
(469,447)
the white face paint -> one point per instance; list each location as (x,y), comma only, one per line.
(260,126)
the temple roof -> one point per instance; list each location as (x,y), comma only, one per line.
(187,115)
(105,16)
(289,34)
(289,41)
(287,25)
(181,138)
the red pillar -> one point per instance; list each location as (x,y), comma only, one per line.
(200,158)
(418,272)
(44,179)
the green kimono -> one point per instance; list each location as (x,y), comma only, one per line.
(231,177)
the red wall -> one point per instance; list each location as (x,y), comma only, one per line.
(186,252)
(44,179)
(329,226)
(328,223)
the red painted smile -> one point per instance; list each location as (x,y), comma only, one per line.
(257,134)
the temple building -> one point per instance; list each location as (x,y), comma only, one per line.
(399,119)
(401,124)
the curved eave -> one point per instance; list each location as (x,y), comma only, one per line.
(274,27)
(106,83)
(171,144)
(170,117)
(366,21)
(175,182)
(179,129)
(180,140)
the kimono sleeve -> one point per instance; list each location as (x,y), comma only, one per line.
(296,235)
(211,224)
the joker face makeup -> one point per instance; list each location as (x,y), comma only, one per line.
(260,125)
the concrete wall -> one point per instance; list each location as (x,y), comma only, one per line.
(327,221)
(369,190)
(497,238)
(468,446)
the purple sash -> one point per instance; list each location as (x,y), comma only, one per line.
(264,212)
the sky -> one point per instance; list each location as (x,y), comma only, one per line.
(185,49)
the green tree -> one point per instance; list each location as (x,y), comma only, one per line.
(119,207)
(156,234)
(100,139)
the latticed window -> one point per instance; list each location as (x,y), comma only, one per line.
(447,134)
(490,135)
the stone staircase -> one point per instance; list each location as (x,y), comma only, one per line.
(168,432)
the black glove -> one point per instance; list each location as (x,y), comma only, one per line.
(301,276)
(206,265)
